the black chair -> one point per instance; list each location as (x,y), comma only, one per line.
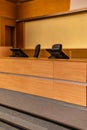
(56,52)
(37,50)
(57,46)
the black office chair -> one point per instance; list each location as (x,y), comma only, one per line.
(37,50)
(57,46)
(57,52)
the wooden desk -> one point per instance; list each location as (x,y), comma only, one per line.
(63,80)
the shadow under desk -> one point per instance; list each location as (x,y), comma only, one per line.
(20,111)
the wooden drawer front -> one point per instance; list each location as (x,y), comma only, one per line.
(26,66)
(71,93)
(75,71)
(25,84)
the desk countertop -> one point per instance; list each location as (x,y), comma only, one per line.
(47,59)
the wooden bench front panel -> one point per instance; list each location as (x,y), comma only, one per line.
(74,71)
(36,86)
(69,92)
(35,67)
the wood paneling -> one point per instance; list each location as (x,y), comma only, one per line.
(70,92)
(29,85)
(56,6)
(7,9)
(0,30)
(8,17)
(5,51)
(20,27)
(73,71)
(4,22)
(79,53)
(42,7)
(9,36)
(27,66)
(31,9)
(64,80)
(18,1)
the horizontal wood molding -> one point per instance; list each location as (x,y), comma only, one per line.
(18,1)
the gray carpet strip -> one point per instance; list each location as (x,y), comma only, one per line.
(27,121)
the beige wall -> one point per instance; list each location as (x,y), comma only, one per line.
(70,30)
(78,4)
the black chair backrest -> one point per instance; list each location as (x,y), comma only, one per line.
(37,50)
(57,46)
